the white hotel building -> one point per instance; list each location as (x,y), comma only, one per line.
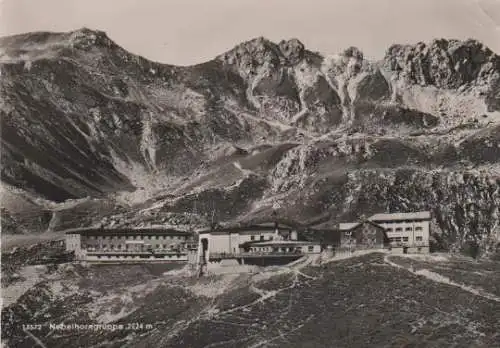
(130,245)
(407,232)
(261,240)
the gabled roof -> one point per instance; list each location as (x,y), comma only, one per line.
(420,215)
(128,232)
(283,242)
(256,228)
(349,226)
(276,243)
(346,226)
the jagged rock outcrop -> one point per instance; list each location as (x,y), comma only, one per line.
(449,64)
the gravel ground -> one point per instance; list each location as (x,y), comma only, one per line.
(364,301)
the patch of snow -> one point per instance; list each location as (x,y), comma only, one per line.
(30,276)
(274,124)
(148,183)
(215,287)
(433,258)
(349,255)
(245,172)
(126,299)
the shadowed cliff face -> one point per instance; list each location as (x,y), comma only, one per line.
(328,137)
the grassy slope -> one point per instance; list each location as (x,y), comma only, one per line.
(356,302)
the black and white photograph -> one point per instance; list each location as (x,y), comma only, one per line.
(250,173)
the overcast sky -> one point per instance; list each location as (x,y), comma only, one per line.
(191,31)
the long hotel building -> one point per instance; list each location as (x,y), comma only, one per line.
(111,245)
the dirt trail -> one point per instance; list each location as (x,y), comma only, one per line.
(438,278)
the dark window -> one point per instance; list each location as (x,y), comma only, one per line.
(418,228)
(408,229)
(399,229)
(261,237)
(405,239)
(252,237)
(310,248)
(419,238)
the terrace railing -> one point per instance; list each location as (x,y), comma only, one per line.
(129,252)
(254,254)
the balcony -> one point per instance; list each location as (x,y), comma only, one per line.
(133,252)
(254,254)
(409,244)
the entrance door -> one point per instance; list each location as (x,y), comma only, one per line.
(405,250)
(204,249)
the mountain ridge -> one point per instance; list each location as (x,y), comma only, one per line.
(264,122)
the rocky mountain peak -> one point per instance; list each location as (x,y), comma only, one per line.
(349,63)
(292,50)
(451,64)
(30,47)
(86,38)
(261,51)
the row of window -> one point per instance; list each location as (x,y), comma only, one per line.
(407,229)
(137,237)
(405,239)
(261,238)
(127,247)
(310,248)
(127,256)
(365,240)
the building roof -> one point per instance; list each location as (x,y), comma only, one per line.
(256,228)
(346,226)
(128,232)
(420,215)
(279,242)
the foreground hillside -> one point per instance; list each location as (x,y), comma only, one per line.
(93,134)
(370,300)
